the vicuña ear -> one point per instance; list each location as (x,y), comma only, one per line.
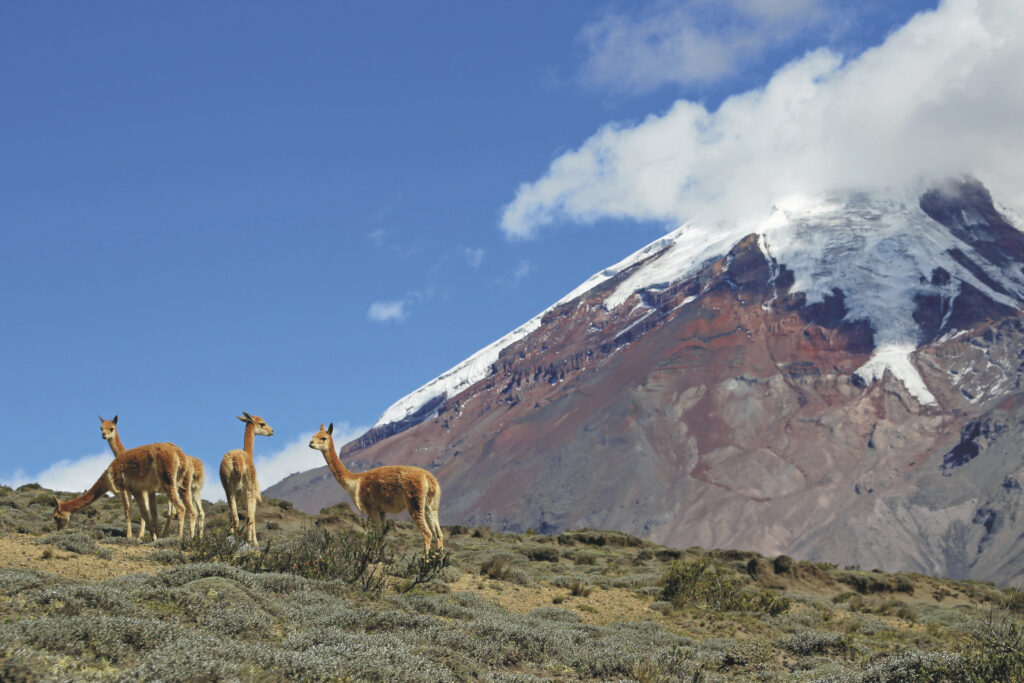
(330,430)
(114,420)
(100,417)
(248,417)
(56,501)
(241,418)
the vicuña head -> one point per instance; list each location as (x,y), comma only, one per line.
(391,488)
(260,426)
(108,429)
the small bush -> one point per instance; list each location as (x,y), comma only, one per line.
(540,553)
(703,584)
(422,569)
(359,559)
(662,607)
(72,542)
(815,642)
(1013,600)
(782,564)
(496,567)
(580,589)
(44,499)
(865,583)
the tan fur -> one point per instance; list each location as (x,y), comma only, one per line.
(238,476)
(391,488)
(138,472)
(192,486)
(193,476)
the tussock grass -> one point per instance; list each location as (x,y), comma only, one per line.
(324,598)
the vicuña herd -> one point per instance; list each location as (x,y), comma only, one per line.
(144,471)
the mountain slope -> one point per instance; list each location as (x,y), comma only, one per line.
(782,386)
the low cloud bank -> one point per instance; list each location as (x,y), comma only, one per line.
(78,475)
(940,97)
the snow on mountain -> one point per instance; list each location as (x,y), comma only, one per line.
(879,251)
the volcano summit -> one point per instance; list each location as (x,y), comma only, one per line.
(840,381)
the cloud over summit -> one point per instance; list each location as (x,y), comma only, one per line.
(941,96)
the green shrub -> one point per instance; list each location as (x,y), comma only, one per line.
(707,585)
(580,589)
(359,559)
(72,541)
(865,582)
(703,584)
(815,642)
(421,569)
(540,553)
(44,499)
(782,564)
(768,602)
(496,567)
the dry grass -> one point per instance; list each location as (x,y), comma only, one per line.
(583,605)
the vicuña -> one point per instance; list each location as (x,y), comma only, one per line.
(140,473)
(391,488)
(238,475)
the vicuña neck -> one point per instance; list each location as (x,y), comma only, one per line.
(250,438)
(337,467)
(101,486)
(115,444)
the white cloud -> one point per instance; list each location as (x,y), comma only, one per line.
(698,41)
(67,475)
(474,257)
(940,97)
(386,311)
(78,475)
(523,269)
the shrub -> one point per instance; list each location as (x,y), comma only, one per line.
(1013,600)
(706,585)
(768,602)
(356,558)
(700,583)
(782,564)
(497,567)
(585,558)
(864,583)
(424,569)
(815,642)
(72,541)
(540,553)
(579,589)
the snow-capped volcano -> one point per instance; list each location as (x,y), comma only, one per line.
(846,363)
(882,250)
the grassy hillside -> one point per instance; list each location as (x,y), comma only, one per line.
(323,600)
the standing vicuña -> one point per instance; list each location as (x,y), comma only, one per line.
(193,476)
(139,472)
(391,488)
(238,475)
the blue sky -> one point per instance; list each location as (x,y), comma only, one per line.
(307,211)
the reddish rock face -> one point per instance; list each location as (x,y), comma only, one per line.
(721,410)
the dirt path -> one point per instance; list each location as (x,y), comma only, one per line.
(22,552)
